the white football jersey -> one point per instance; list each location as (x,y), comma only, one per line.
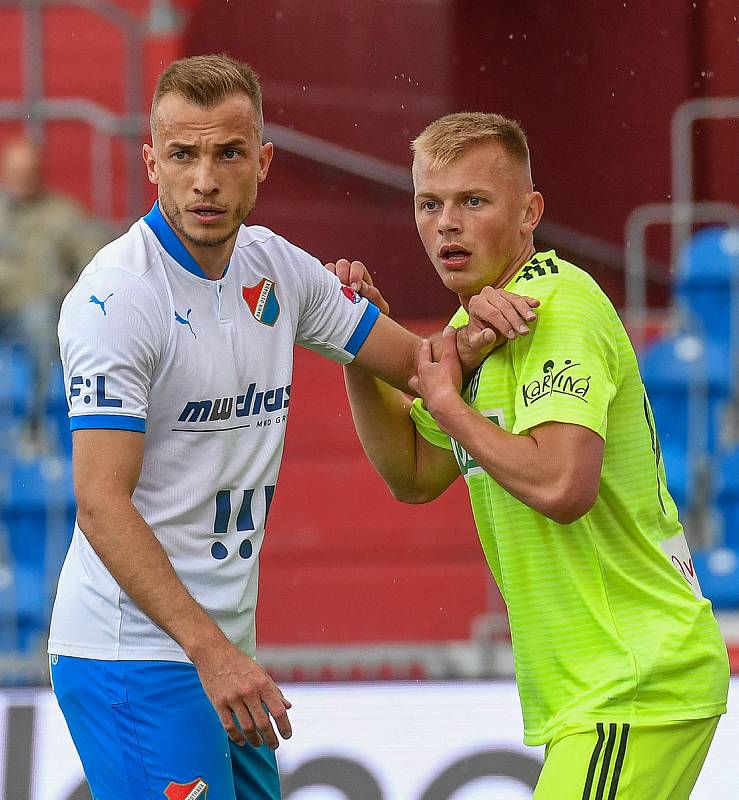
(203,368)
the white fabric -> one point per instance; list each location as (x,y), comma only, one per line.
(132,363)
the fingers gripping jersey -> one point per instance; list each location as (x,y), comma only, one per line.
(204,369)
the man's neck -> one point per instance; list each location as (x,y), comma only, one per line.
(505,276)
(211,260)
(523,257)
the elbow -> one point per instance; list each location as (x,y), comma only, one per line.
(413,495)
(569,502)
(93,509)
(88,514)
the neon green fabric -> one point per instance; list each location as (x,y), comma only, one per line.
(612,761)
(606,617)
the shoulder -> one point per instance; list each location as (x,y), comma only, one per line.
(59,211)
(121,277)
(124,265)
(61,206)
(256,241)
(558,283)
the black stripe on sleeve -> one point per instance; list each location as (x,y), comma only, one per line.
(593,762)
(610,744)
(619,762)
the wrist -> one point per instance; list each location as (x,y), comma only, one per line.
(446,409)
(203,642)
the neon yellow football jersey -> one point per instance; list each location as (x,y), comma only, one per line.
(606,615)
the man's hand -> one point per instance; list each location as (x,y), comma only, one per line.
(238,687)
(356,275)
(496,317)
(439,382)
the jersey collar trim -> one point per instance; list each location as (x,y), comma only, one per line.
(171,242)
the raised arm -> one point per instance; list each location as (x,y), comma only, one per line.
(414,470)
(107,464)
(554,470)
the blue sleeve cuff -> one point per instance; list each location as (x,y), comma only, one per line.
(111,422)
(364,326)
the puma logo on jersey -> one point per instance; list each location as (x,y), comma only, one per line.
(185,321)
(101,303)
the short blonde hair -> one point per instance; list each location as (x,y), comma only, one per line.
(448,138)
(207,81)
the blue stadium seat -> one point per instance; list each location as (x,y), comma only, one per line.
(57,416)
(8,612)
(727,496)
(679,476)
(718,574)
(16,382)
(38,516)
(669,368)
(707,266)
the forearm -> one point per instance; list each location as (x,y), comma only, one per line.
(384,426)
(516,462)
(139,564)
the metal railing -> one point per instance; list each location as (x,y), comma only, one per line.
(683,190)
(36,109)
(637,223)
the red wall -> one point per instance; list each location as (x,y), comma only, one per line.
(360,75)
(594,84)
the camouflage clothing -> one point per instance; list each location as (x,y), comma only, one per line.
(44,245)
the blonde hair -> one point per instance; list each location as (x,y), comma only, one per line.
(206,81)
(451,136)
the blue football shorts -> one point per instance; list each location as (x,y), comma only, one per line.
(145,730)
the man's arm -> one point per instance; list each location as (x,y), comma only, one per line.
(414,470)
(555,470)
(496,316)
(107,464)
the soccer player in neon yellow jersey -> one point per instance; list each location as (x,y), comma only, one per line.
(621,668)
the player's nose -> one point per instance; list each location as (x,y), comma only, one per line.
(205,182)
(449,222)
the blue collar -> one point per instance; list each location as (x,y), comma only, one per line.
(171,242)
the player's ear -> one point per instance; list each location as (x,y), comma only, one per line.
(151,163)
(266,151)
(533,211)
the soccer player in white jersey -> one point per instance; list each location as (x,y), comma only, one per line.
(177,346)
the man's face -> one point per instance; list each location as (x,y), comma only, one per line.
(474,217)
(20,170)
(207,163)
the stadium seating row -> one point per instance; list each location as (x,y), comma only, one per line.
(692,379)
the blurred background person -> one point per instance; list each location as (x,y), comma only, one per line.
(45,241)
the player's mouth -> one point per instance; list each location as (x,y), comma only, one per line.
(208,215)
(453,256)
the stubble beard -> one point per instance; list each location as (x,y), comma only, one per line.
(174,215)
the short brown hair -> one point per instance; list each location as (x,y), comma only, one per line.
(206,81)
(449,137)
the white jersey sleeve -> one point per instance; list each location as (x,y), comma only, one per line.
(334,320)
(111,334)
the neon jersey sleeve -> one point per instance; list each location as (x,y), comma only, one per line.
(334,320)
(111,333)
(567,368)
